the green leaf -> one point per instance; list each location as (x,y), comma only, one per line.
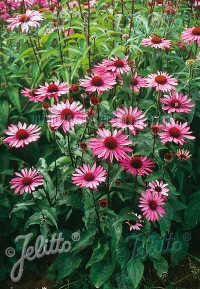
(85,240)
(13,95)
(98,253)
(68,266)
(165,221)
(135,270)
(179,247)
(161,266)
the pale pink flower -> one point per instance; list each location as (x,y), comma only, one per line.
(135,225)
(161,81)
(183,155)
(159,187)
(175,131)
(31,94)
(151,205)
(138,165)
(191,35)
(21,135)
(73,4)
(119,66)
(29,19)
(26,181)
(131,118)
(176,102)
(137,82)
(110,145)
(89,177)
(97,83)
(66,115)
(53,89)
(156,42)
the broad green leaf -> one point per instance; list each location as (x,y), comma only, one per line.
(135,270)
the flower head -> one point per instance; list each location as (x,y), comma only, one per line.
(176,102)
(53,89)
(110,145)
(156,42)
(29,19)
(151,205)
(119,66)
(161,81)
(183,155)
(31,94)
(155,128)
(137,82)
(159,187)
(138,165)
(131,118)
(21,135)
(135,225)
(97,83)
(26,181)
(89,177)
(175,132)
(191,35)
(66,115)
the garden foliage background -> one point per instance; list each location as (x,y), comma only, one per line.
(65,70)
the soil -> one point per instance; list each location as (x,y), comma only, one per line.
(185,276)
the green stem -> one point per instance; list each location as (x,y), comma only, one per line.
(96,209)
(69,148)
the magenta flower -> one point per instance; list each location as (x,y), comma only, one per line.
(119,66)
(29,19)
(175,132)
(88,177)
(66,115)
(53,89)
(176,102)
(31,94)
(26,181)
(183,155)
(191,35)
(151,205)
(97,83)
(138,165)
(161,81)
(110,145)
(131,118)
(21,135)
(156,42)
(159,187)
(137,82)
(135,225)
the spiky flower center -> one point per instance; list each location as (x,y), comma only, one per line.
(119,63)
(158,189)
(134,81)
(67,114)
(52,88)
(89,177)
(161,79)
(26,181)
(175,132)
(153,205)
(156,40)
(136,162)
(33,92)
(196,31)
(128,119)
(24,18)
(110,142)
(97,81)
(175,103)
(22,134)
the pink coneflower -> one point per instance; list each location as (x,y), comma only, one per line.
(66,115)
(29,19)
(137,82)
(176,102)
(53,89)
(175,132)
(156,42)
(161,81)
(97,83)
(155,128)
(151,205)
(183,155)
(131,118)
(138,165)
(135,225)
(110,145)
(26,181)
(119,66)
(159,187)
(88,177)
(191,35)
(31,94)
(21,135)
